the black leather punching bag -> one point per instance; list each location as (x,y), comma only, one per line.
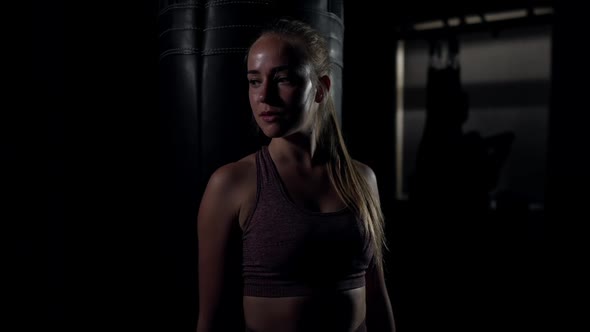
(180,29)
(227,129)
(180,42)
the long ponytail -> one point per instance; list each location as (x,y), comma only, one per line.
(350,184)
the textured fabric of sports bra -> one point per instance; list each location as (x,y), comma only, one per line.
(291,251)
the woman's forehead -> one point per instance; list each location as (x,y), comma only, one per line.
(273,50)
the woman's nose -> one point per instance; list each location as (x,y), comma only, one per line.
(264,93)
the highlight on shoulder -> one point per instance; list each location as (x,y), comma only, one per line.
(366,171)
(233,174)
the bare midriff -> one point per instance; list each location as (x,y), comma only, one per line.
(337,311)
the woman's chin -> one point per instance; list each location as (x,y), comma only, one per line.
(273,133)
(279,129)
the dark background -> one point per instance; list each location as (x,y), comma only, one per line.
(91,245)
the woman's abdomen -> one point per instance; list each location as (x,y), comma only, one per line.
(337,311)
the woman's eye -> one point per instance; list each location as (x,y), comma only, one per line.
(283,79)
(254,82)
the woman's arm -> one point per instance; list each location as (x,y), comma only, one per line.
(219,237)
(379,311)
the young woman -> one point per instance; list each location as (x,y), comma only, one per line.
(294,231)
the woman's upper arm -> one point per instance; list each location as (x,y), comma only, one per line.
(379,310)
(218,235)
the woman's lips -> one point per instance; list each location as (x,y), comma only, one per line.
(269,116)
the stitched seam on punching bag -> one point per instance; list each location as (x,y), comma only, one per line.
(323,13)
(182,51)
(229,2)
(333,38)
(337,63)
(232,27)
(224,50)
(176,29)
(196,5)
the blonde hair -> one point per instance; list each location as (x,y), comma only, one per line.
(350,185)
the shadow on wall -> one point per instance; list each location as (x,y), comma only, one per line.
(468,239)
(455,170)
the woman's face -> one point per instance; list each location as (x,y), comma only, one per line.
(280,86)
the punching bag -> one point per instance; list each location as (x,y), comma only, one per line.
(180,25)
(180,39)
(227,127)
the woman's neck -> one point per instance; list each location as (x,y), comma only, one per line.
(297,148)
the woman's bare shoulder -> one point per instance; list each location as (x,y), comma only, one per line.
(229,186)
(368,174)
(235,174)
(365,170)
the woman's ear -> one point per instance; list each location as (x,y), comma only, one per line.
(323,89)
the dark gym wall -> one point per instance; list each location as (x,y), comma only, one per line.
(84,166)
(568,179)
(519,259)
